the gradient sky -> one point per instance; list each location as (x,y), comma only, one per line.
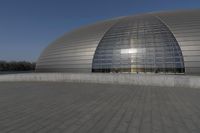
(28,26)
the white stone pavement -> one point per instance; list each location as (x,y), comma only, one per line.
(131,79)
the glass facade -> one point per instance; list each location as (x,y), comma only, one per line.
(163,42)
(138,44)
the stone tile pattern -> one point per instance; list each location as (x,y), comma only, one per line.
(97,108)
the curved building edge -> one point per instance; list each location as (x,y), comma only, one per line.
(74,51)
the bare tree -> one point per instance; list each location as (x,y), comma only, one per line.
(17,66)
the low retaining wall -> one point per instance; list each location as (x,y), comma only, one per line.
(132,79)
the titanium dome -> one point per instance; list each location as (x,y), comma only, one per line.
(166,42)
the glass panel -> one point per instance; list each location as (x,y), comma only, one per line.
(138,44)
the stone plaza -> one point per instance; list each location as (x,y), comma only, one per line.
(56,107)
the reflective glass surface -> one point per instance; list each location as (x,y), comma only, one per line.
(138,44)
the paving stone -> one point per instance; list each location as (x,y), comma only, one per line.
(44,107)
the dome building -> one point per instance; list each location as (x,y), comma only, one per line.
(165,42)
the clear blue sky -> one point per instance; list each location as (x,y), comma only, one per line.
(28,26)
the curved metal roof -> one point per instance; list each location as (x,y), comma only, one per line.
(74,52)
